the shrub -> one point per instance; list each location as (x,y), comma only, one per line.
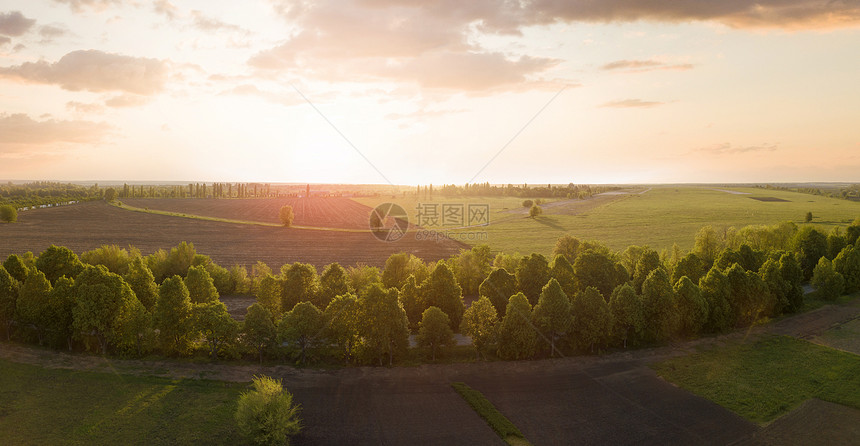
(267,415)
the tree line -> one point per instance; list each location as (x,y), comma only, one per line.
(586,298)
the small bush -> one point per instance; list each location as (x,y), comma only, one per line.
(527,203)
(267,415)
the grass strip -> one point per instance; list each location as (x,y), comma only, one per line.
(498,422)
(56,406)
(766,379)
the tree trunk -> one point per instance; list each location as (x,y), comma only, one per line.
(433,347)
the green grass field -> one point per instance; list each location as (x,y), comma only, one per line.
(50,406)
(658,218)
(766,379)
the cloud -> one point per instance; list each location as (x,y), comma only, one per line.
(14,23)
(165,8)
(5,40)
(82,107)
(96,71)
(729,149)
(19,132)
(631,103)
(126,100)
(288,99)
(50,31)
(98,5)
(640,66)
(789,14)
(204,23)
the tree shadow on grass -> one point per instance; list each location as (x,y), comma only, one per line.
(546,222)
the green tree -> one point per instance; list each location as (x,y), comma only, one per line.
(142,282)
(333,282)
(110,194)
(707,245)
(471,267)
(15,267)
(528,203)
(829,283)
(691,266)
(715,289)
(809,246)
(595,269)
(177,261)
(625,309)
(413,301)
(835,243)
(434,331)
(692,307)
(302,326)
(258,330)
(32,306)
(341,316)
(562,271)
(535,210)
(114,258)
(266,415)
(215,324)
(631,255)
(498,287)
(268,294)
(8,300)
(383,326)
(659,307)
(441,290)
(567,246)
(778,287)
(551,315)
(8,213)
(808,217)
(591,318)
(847,263)
(173,315)
(479,322)
(61,303)
(750,300)
(58,261)
(852,232)
(286,215)
(791,272)
(299,283)
(648,262)
(362,276)
(200,286)
(517,337)
(532,274)
(396,270)
(102,299)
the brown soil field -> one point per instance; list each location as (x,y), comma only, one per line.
(87,226)
(325,212)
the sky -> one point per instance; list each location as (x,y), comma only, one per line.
(436,91)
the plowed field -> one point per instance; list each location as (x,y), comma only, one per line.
(329,212)
(87,226)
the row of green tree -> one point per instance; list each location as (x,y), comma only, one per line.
(40,193)
(586,297)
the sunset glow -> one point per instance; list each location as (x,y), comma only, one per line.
(429,92)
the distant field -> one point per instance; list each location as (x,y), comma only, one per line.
(658,218)
(86,226)
(329,212)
